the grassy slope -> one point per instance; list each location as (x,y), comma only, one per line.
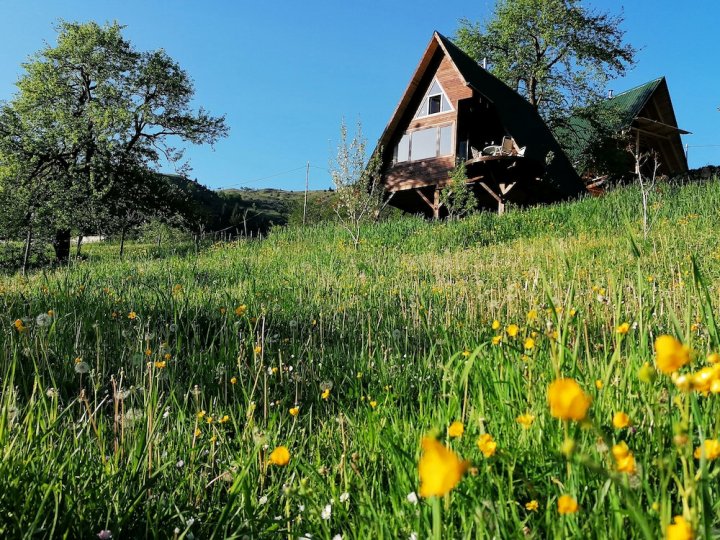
(387,324)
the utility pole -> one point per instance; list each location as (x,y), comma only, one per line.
(307,183)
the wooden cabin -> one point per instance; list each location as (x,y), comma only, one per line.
(454,110)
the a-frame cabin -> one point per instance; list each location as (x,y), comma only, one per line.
(454,110)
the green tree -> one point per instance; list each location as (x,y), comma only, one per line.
(90,115)
(558,54)
(457,198)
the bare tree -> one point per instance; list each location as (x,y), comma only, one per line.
(647,165)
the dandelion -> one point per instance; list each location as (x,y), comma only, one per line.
(624,459)
(620,420)
(294,411)
(440,469)
(240,310)
(599,384)
(512,330)
(148,352)
(529,343)
(525,420)
(567,505)
(326,512)
(233,380)
(623,329)
(456,429)
(43,320)
(167,356)
(496,340)
(495,324)
(713,358)
(670,354)
(325,394)
(532,506)
(703,380)
(201,414)
(257,349)
(81,367)
(132,315)
(412,497)
(197,433)
(710,448)
(532,315)
(373,403)
(19,326)
(280,456)
(160,364)
(224,419)
(567,400)
(679,530)
(487,445)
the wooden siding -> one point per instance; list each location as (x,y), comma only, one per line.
(425,172)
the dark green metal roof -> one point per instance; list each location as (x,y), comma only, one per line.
(631,102)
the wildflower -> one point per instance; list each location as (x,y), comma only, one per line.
(599,384)
(670,354)
(456,429)
(197,433)
(572,312)
(132,315)
(105,534)
(280,456)
(525,420)
(624,459)
(167,356)
(213,440)
(81,367)
(567,448)
(201,414)
(263,500)
(294,411)
(713,358)
(180,464)
(679,530)
(412,497)
(711,449)
(495,324)
(233,380)
(487,445)
(682,382)
(148,352)
(532,506)
(620,420)
(623,328)
(43,320)
(257,349)
(532,315)
(529,343)
(567,400)
(240,310)
(160,364)
(512,330)
(326,394)
(344,497)
(224,419)
(703,380)
(19,326)
(440,469)
(373,403)
(209,419)
(567,505)
(496,340)
(326,513)
(51,313)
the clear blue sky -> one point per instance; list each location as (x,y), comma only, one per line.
(286,72)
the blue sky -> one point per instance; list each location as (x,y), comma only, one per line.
(286,72)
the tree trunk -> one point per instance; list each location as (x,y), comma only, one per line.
(61,244)
(122,242)
(28,243)
(79,243)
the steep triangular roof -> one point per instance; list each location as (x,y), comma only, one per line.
(519,118)
(631,102)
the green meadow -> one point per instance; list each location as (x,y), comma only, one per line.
(143,397)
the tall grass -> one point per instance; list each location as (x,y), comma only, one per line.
(161,423)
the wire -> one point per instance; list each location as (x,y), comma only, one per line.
(256,180)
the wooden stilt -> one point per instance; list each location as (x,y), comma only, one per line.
(436,203)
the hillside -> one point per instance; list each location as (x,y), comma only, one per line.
(298,387)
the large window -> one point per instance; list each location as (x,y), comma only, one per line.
(425,143)
(435,101)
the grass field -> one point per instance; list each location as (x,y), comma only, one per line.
(148,397)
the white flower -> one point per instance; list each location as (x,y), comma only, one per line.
(190,522)
(344,497)
(180,464)
(326,512)
(306,536)
(412,497)
(337,537)
(413,536)
(262,500)
(301,508)
(43,320)
(82,367)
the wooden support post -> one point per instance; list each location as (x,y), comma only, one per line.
(436,203)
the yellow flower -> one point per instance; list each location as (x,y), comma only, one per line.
(257,349)
(567,505)
(240,310)
(148,352)
(466,353)
(532,506)
(19,326)
(440,469)
(233,380)
(623,328)
(326,394)
(456,429)
(280,456)
(160,364)
(209,419)
(198,433)
(496,340)
(711,449)
(132,315)
(532,315)
(599,384)
(525,420)
(213,440)
(294,411)
(224,419)
(572,312)
(512,330)
(373,403)
(703,380)
(670,354)
(201,414)
(495,324)
(487,445)
(529,343)
(713,358)
(167,356)
(624,459)
(680,530)
(567,400)
(620,420)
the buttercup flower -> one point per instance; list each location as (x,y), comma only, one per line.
(294,411)
(567,400)
(670,354)
(456,429)
(487,445)
(512,330)
(624,459)
(280,456)
(620,420)
(623,328)
(440,469)
(525,420)
(532,506)
(711,449)
(567,505)
(529,343)
(680,530)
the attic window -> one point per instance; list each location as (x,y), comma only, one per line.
(434,102)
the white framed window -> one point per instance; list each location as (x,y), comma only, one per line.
(434,101)
(426,143)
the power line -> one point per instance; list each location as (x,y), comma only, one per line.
(243,183)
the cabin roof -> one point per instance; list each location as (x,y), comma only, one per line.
(519,118)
